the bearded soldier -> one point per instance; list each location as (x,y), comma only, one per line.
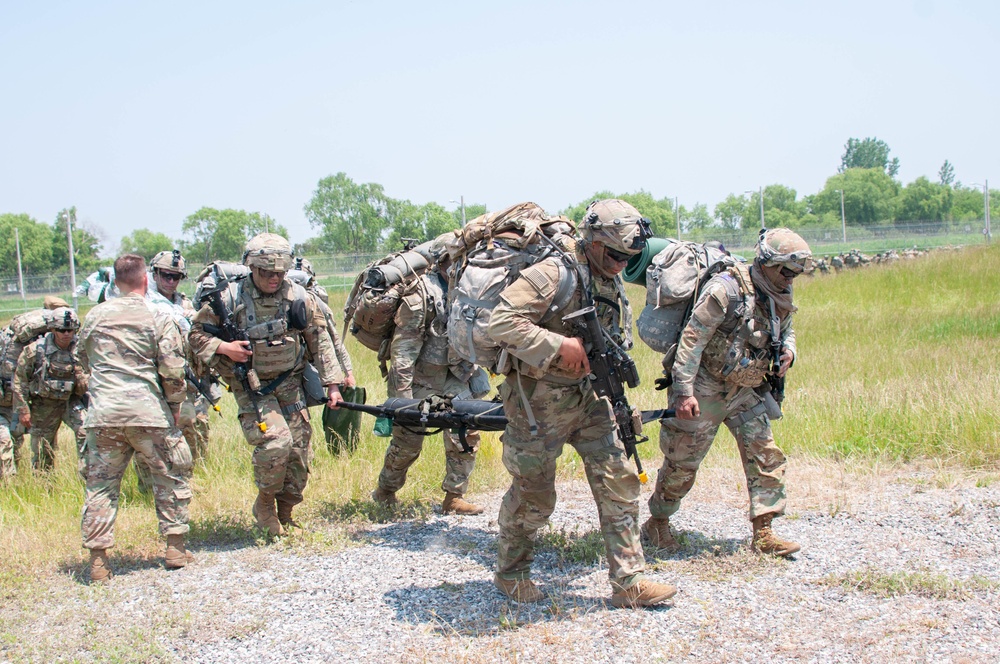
(740,325)
(549,402)
(48,388)
(285,329)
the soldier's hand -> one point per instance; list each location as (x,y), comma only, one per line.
(25,420)
(786,362)
(237,351)
(687,408)
(573,357)
(349,381)
(333,396)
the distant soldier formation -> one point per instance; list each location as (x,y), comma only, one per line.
(518,293)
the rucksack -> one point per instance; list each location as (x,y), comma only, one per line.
(494,250)
(674,281)
(378,290)
(23,329)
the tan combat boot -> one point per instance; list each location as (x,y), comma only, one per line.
(453,502)
(267,518)
(285,514)
(657,531)
(383,497)
(643,593)
(519,590)
(177,556)
(100,570)
(765,541)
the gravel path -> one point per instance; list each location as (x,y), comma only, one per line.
(421,590)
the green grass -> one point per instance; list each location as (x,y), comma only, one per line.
(923,583)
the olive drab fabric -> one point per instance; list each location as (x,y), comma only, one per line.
(342,427)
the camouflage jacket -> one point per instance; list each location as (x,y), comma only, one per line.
(421,333)
(524,324)
(134,357)
(706,340)
(47,371)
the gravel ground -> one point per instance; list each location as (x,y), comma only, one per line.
(421,590)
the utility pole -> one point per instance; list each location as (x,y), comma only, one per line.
(70,218)
(989,232)
(677,215)
(461,203)
(843,219)
(761,191)
(20,272)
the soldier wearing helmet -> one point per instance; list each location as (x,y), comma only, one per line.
(285,328)
(48,386)
(549,403)
(739,339)
(169,269)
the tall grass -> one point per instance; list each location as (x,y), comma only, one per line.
(896,362)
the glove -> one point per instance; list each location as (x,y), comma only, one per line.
(663,383)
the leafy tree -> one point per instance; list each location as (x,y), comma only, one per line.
(146,243)
(223,234)
(923,200)
(36,244)
(695,219)
(732,213)
(946,175)
(869,153)
(351,217)
(86,245)
(869,196)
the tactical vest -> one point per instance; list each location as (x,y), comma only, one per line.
(739,352)
(54,375)
(276,347)
(435,296)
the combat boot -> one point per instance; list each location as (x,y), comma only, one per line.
(267,519)
(285,514)
(453,502)
(383,497)
(177,556)
(657,531)
(519,590)
(643,593)
(765,541)
(100,570)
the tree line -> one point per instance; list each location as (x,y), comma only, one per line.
(352,217)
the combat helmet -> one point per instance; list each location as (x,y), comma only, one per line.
(268,251)
(169,261)
(781,246)
(616,224)
(63,319)
(301,263)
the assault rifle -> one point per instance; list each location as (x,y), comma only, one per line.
(202,389)
(776,382)
(228,331)
(418,415)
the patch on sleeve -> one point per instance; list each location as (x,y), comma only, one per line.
(540,281)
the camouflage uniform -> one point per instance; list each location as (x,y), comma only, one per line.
(282,450)
(11,431)
(419,368)
(49,386)
(135,357)
(567,411)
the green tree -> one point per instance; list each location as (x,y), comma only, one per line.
(869,153)
(471,212)
(36,244)
(923,200)
(223,234)
(869,196)
(946,175)
(146,243)
(696,219)
(86,245)
(732,214)
(352,218)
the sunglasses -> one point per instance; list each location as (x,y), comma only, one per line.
(618,256)
(171,276)
(268,274)
(789,274)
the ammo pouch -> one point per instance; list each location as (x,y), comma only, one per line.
(52,388)
(771,406)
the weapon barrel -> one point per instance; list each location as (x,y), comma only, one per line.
(470,413)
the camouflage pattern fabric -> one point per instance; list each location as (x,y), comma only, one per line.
(46,416)
(197,409)
(9,443)
(567,411)
(419,368)
(109,450)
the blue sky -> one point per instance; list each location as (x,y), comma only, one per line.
(141,113)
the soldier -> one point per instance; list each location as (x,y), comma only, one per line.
(549,402)
(420,367)
(284,326)
(720,373)
(313,287)
(134,355)
(48,389)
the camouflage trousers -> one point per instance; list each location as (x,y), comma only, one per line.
(685,443)
(195,411)
(11,439)
(109,450)
(281,454)
(565,415)
(46,416)
(407,442)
